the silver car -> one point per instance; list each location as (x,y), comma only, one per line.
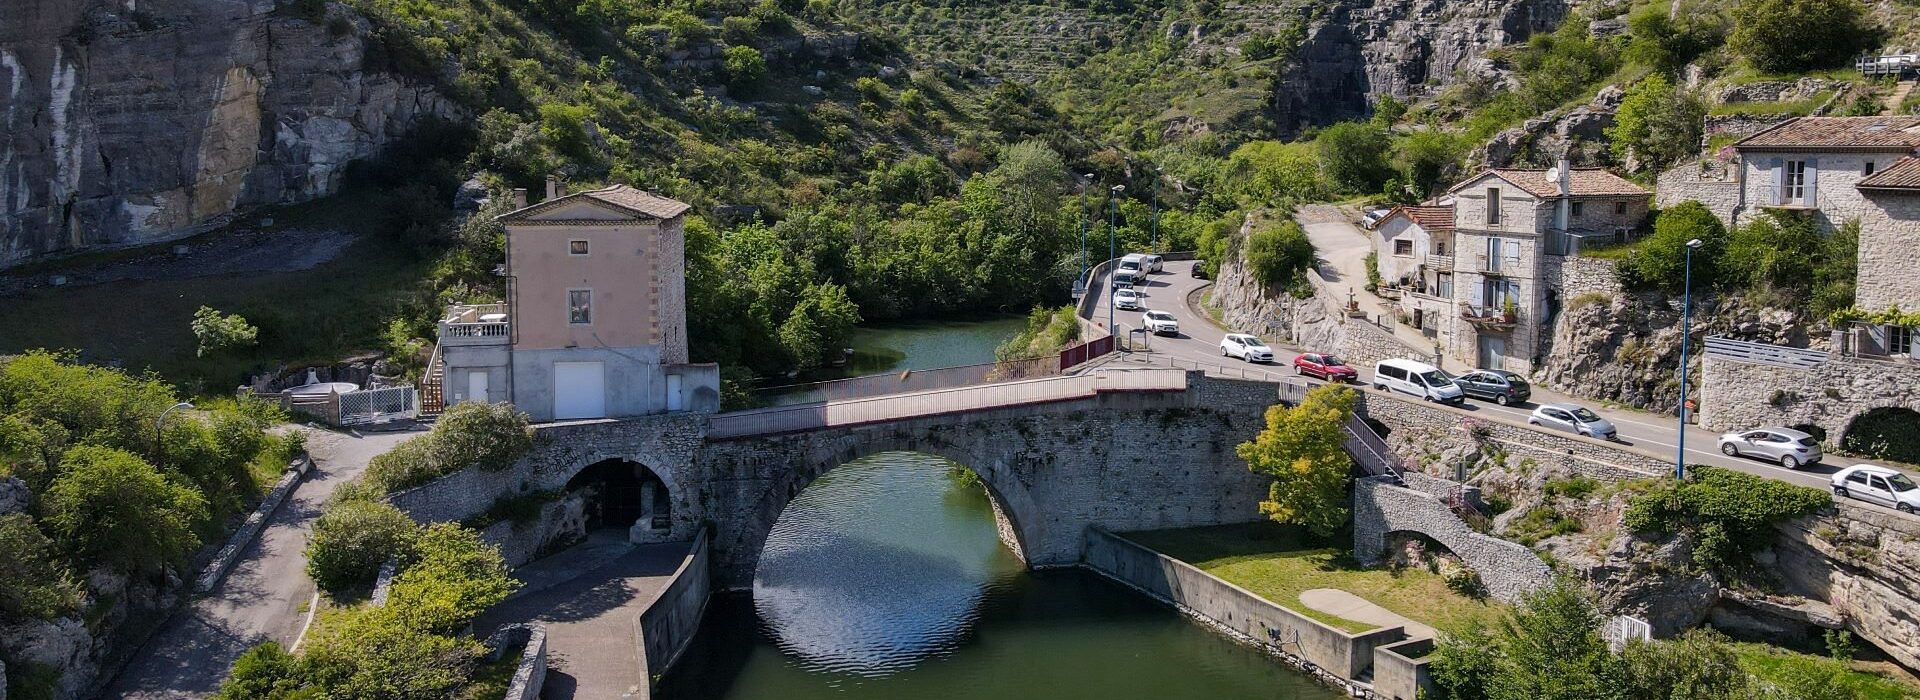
(1791,448)
(1573,419)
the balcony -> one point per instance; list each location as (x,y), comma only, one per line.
(1440,262)
(1495,266)
(476,324)
(1487,318)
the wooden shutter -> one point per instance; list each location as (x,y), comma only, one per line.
(1777,194)
(1813,172)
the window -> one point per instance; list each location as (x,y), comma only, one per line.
(1493,206)
(1579,207)
(1867,169)
(1498,292)
(1443,285)
(1793,182)
(579,306)
(1493,254)
(1899,340)
(576,247)
(1619,208)
(1439,247)
(1402,246)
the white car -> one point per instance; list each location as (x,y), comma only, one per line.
(1245,347)
(1573,418)
(1876,484)
(1126,299)
(1160,323)
(1788,447)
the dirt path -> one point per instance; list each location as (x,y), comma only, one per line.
(231,252)
(1348,606)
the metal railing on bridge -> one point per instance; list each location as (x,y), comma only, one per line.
(911,380)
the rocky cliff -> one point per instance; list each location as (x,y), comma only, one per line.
(1359,50)
(136,121)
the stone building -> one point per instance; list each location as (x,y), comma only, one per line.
(1414,249)
(594,324)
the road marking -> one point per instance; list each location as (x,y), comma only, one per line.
(313,606)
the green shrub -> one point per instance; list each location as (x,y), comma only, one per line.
(352,540)
(1659,261)
(1777,250)
(1779,36)
(1885,433)
(1731,514)
(1575,487)
(216,332)
(744,66)
(266,672)
(1657,124)
(372,653)
(1353,156)
(1278,254)
(491,436)
(452,577)
(34,582)
(109,506)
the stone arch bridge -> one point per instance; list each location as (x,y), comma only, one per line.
(1122,449)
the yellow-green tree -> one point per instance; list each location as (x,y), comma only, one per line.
(1302,449)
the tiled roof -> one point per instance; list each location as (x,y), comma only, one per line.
(1904,174)
(639,201)
(1583,182)
(1878,133)
(1429,217)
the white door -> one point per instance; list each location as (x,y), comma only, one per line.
(674,402)
(579,390)
(1493,352)
(477,385)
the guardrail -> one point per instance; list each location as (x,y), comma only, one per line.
(907,381)
(1766,354)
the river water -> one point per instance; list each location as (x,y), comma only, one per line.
(886,579)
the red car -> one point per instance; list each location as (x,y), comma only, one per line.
(1326,367)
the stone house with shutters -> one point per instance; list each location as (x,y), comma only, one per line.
(1413,247)
(594,323)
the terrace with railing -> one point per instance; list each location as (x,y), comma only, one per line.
(475,324)
(1487,317)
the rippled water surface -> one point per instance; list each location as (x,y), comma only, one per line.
(886,579)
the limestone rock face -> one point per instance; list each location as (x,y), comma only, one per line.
(132,123)
(1649,580)
(1363,49)
(1865,563)
(14,496)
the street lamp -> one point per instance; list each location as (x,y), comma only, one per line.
(1113,244)
(159,443)
(1686,335)
(1088,281)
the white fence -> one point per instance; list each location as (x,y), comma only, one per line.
(379,405)
(1626,628)
(1763,353)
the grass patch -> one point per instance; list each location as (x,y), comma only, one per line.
(1775,664)
(1786,108)
(1211,309)
(1278,562)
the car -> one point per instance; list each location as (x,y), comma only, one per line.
(1198,271)
(1877,484)
(1418,378)
(1245,347)
(1134,263)
(1123,280)
(1496,385)
(1373,217)
(1324,366)
(1791,448)
(1160,323)
(1126,299)
(1153,263)
(1573,418)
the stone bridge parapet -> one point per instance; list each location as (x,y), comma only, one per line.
(1380,508)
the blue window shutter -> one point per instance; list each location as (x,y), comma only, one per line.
(1813,177)
(1776,194)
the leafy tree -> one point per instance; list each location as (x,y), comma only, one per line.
(1278,254)
(1353,155)
(1303,450)
(1659,261)
(1699,665)
(1429,159)
(34,582)
(1777,250)
(1549,649)
(1387,111)
(453,577)
(216,332)
(1666,43)
(918,180)
(110,506)
(353,539)
(1271,171)
(744,66)
(1781,36)
(1657,124)
(819,326)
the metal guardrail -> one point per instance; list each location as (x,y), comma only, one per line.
(907,381)
(1766,354)
(1219,370)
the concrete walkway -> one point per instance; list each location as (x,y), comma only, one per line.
(1348,606)
(265,597)
(1342,248)
(590,598)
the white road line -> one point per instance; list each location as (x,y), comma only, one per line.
(313,606)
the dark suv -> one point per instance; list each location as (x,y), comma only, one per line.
(1496,385)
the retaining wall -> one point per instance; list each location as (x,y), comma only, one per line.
(229,555)
(1400,670)
(1594,458)
(1343,655)
(1735,394)
(669,624)
(1507,569)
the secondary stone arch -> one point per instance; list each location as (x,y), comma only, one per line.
(1910,406)
(682,520)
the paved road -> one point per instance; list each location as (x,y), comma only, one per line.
(1199,343)
(266,595)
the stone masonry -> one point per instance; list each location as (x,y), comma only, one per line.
(1736,394)
(1508,569)
(1889,235)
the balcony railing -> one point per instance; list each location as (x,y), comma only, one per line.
(475,324)
(1487,317)
(1440,262)
(1496,265)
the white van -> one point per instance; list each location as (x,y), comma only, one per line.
(1417,378)
(1134,263)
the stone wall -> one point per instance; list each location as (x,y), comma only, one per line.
(1572,276)
(1711,181)
(1864,561)
(1736,394)
(1292,636)
(1508,569)
(1889,230)
(559,522)
(1594,458)
(669,624)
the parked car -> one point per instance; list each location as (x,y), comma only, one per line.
(1122,280)
(1152,263)
(1326,367)
(1245,347)
(1791,448)
(1496,385)
(1198,271)
(1160,323)
(1876,484)
(1126,299)
(1373,217)
(1417,378)
(1573,419)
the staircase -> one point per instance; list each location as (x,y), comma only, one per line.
(431,399)
(1897,97)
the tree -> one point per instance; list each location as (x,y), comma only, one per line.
(1781,36)
(1278,254)
(1666,43)
(352,540)
(1656,124)
(1549,649)
(819,325)
(1303,449)
(744,66)
(1353,155)
(1836,270)
(1429,158)
(1699,665)
(1777,250)
(452,578)
(1271,171)
(110,506)
(1659,261)
(34,582)
(216,332)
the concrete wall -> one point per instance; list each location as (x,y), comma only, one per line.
(1736,394)
(622,268)
(1508,569)
(1400,670)
(1393,266)
(1347,656)
(670,623)
(634,386)
(495,360)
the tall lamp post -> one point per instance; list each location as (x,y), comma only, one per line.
(1686,337)
(1083,237)
(1113,245)
(159,441)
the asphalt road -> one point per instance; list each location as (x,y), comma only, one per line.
(1199,342)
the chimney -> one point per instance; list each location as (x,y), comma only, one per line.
(1565,183)
(519,197)
(555,189)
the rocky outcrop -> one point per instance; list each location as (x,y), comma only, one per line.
(1864,562)
(14,496)
(1576,133)
(76,649)
(1360,50)
(129,124)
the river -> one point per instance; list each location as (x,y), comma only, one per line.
(886,579)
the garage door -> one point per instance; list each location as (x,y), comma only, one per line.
(579,390)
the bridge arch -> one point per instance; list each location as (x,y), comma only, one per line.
(622,477)
(1884,429)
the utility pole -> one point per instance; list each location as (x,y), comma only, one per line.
(1154,218)
(1686,338)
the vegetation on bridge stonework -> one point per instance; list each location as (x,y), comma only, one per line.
(471,433)
(1303,450)
(1048,331)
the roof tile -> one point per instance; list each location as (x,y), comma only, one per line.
(1892,132)
(1583,182)
(1904,174)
